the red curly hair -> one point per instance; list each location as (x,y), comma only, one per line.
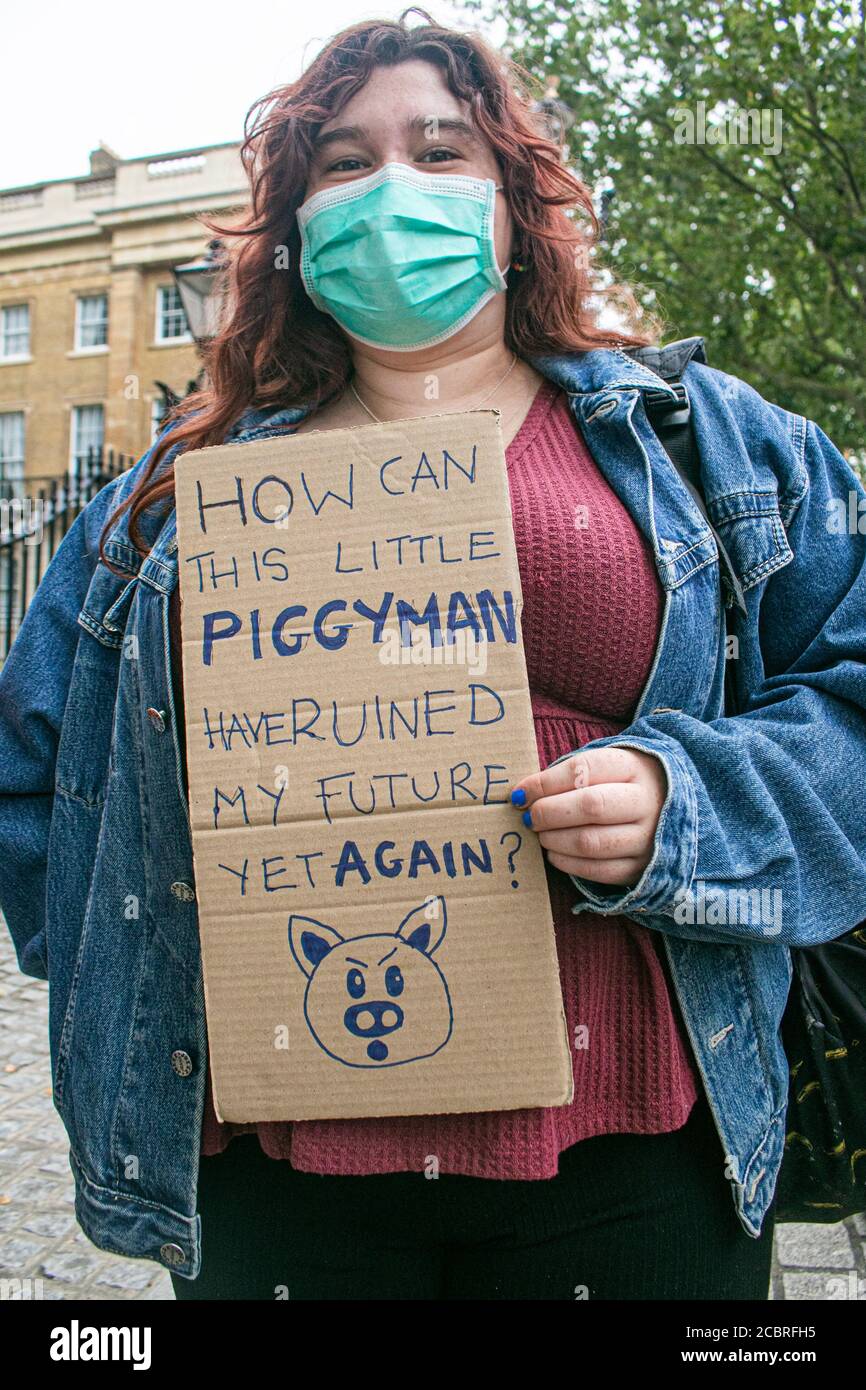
(275,349)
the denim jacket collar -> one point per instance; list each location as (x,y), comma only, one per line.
(605,369)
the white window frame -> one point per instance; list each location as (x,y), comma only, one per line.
(76,448)
(162,313)
(15,458)
(82,323)
(20,354)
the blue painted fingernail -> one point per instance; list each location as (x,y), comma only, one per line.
(518,796)
(527,818)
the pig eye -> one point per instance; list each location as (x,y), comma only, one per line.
(393,980)
(355,984)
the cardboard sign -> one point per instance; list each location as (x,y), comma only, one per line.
(375,920)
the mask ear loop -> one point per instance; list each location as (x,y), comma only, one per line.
(515,265)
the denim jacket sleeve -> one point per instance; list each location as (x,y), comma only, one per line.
(34,684)
(771,799)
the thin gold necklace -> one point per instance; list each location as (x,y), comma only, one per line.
(475,407)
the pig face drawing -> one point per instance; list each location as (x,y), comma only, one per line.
(378,1000)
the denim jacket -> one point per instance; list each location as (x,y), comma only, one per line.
(760,846)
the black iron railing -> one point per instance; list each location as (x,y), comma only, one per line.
(32,526)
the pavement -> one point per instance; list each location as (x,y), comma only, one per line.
(43,1254)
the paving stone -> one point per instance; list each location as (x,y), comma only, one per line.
(22,1151)
(50,1134)
(161,1288)
(815,1247)
(812,1286)
(55,1164)
(825,1288)
(119,1275)
(50,1223)
(75,1268)
(14,1082)
(30,1190)
(17,1255)
(32,1107)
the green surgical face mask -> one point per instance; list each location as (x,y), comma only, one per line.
(401,259)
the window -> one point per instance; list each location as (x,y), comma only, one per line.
(171,321)
(87,434)
(91,321)
(15,330)
(12,453)
(158,411)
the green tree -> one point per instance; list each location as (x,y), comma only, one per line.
(758,242)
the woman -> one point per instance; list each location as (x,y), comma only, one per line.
(410,250)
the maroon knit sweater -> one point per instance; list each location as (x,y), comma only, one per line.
(591,614)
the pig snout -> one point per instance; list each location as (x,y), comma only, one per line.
(374,1019)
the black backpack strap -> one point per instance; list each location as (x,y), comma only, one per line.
(671,421)
(670,362)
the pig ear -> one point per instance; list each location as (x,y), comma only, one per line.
(311,941)
(424,926)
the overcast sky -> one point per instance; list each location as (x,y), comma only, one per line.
(147,79)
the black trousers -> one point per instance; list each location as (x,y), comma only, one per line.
(628,1216)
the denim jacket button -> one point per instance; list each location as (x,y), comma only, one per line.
(181,1063)
(184,891)
(157,719)
(172,1254)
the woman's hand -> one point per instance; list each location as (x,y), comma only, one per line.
(596,813)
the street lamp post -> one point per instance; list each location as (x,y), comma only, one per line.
(199,284)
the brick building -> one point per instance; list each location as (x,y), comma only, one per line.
(90,319)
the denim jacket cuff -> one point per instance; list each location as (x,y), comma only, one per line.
(675,848)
